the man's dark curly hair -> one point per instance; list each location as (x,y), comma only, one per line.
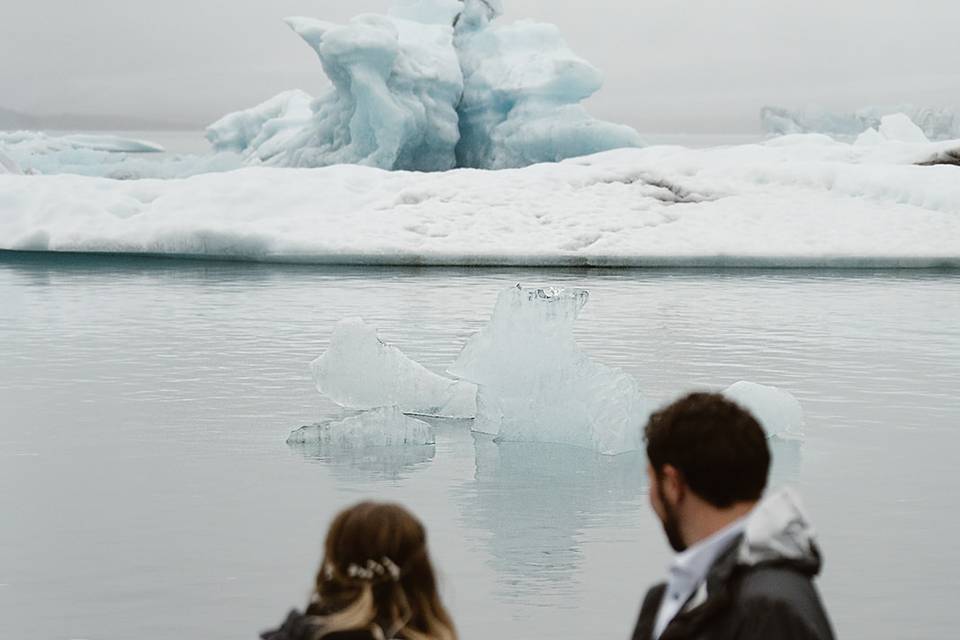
(719,447)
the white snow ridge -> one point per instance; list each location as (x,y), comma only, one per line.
(804,200)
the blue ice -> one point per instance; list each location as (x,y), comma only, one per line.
(432,85)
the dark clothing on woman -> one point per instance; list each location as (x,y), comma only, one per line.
(299,626)
(761,588)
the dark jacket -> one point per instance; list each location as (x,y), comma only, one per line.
(761,588)
(299,626)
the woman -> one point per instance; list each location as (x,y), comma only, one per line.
(376,582)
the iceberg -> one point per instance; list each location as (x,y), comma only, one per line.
(39,142)
(381,427)
(777,411)
(396,83)
(107,156)
(521,100)
(431,86)
(897,127)
(360,371)
(936,124)
(536,385)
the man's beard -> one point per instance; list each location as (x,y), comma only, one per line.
(671,524)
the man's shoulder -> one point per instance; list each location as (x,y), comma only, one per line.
(777,582)
(780,590)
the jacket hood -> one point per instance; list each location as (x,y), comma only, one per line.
(778,531)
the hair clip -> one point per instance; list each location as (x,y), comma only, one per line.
(373,569)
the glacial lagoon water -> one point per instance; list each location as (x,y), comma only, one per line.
(146,490)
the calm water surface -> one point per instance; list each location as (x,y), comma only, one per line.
(146,490)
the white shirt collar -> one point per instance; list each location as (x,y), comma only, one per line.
(696,561)
(689,569)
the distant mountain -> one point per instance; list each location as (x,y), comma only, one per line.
(10,119)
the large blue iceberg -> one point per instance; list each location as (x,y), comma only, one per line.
(433,85)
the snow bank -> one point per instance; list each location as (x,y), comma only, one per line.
(536,385)
(382,427)
(407,94)
(936,124)
(777,411)
(360,371)
(793,201)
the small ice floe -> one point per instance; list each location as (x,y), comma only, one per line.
(381,427)
(537,385)
(777,411)
(361,371)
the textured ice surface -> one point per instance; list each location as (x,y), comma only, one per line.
(399,99)
(106,156)
(7,165)
(801,200)
(537,385)
(380,427)
(521,101)
(360,371)
(264,130)
(439,12)
(778,412)
(396,84)
(36,141)
(936,124)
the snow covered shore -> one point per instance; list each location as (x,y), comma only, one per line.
(793,201)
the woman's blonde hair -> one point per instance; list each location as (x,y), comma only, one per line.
(376,575)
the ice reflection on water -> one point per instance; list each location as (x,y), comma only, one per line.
(146,490)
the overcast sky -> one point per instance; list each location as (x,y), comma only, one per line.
(670,65)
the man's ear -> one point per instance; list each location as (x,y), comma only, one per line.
(673,487)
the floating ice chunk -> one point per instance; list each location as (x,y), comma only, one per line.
(777,411)
(936,124)
(536,385)
(898,127)
(38,142)
(105,156)
(381,427)
(114,144)
(522,89)
(360,371)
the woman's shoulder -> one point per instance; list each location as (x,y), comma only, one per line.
(296,626)
(300,626)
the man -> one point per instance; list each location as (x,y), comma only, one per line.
(744,568)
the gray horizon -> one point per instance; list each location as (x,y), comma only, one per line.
(689,65)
